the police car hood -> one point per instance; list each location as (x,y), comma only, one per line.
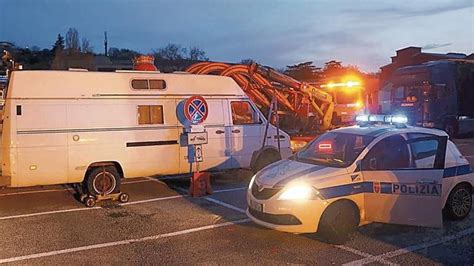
(284,171)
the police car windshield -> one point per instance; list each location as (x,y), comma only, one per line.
(334,149)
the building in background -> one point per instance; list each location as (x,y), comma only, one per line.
(413,56)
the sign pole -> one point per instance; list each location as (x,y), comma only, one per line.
(196,111)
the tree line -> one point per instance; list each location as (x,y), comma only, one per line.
(71,50)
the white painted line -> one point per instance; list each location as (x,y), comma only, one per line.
(85,209)
(412,248)
(61,189)
(230,189)
(98,207)
(134,182)
(35,191)
(119,243)
(363,254)
(155,180)
(152,200)
(235,208)
(217,191)
(46,213)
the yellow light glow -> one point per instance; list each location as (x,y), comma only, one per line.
(352,83)
(299,192)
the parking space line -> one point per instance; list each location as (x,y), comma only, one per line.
(46,213)
(99,207)
(412,248)
(363,254)
(120,243)
(235,208)
(216,191)
(152,200)
(230,189)
(136,181)
(62,189)
(155,180)
(35,191)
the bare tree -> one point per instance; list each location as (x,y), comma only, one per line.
(86,47)
(247,61)
(197,54)
(171,51)
(72,40)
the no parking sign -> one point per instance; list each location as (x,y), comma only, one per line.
(196,109)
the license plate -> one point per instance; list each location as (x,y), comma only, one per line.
(256,206)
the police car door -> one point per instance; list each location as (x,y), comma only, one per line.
(406,172)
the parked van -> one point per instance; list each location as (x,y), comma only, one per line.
(98,127)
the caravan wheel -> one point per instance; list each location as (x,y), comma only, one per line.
(266,158)
(103,181)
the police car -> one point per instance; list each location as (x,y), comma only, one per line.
(377,171)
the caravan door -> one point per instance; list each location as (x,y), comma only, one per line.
(41,142)
(246,132)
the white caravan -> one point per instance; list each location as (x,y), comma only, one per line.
(69,126)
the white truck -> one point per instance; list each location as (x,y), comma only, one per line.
(68,126)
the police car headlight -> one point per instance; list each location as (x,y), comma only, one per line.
(251,181)
(299,192)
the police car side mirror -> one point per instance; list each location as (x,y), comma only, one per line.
(373,163)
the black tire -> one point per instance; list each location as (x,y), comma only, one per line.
(124,197)
(339,221)
(90,202)
(103,181)
(459,202)
(265,159)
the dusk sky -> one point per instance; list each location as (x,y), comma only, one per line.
(275,33)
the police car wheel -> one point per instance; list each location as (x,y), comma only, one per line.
(459,203)
(339,221)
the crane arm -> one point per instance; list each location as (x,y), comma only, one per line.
(326,107)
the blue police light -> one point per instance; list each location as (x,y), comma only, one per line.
(388,119)
(362,118)
(396,119)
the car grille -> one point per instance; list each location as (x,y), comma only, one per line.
(265,193)
(280,219)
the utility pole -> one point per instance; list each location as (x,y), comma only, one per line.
(105,43)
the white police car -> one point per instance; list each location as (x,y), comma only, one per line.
(389,173)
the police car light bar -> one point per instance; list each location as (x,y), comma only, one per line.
(390,119)
(396,119)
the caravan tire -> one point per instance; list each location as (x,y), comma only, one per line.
(103,181)
(266,158)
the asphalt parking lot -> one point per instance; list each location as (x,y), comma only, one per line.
(161,224)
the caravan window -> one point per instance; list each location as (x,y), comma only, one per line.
(150,114)
(148,84)
(243,113)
